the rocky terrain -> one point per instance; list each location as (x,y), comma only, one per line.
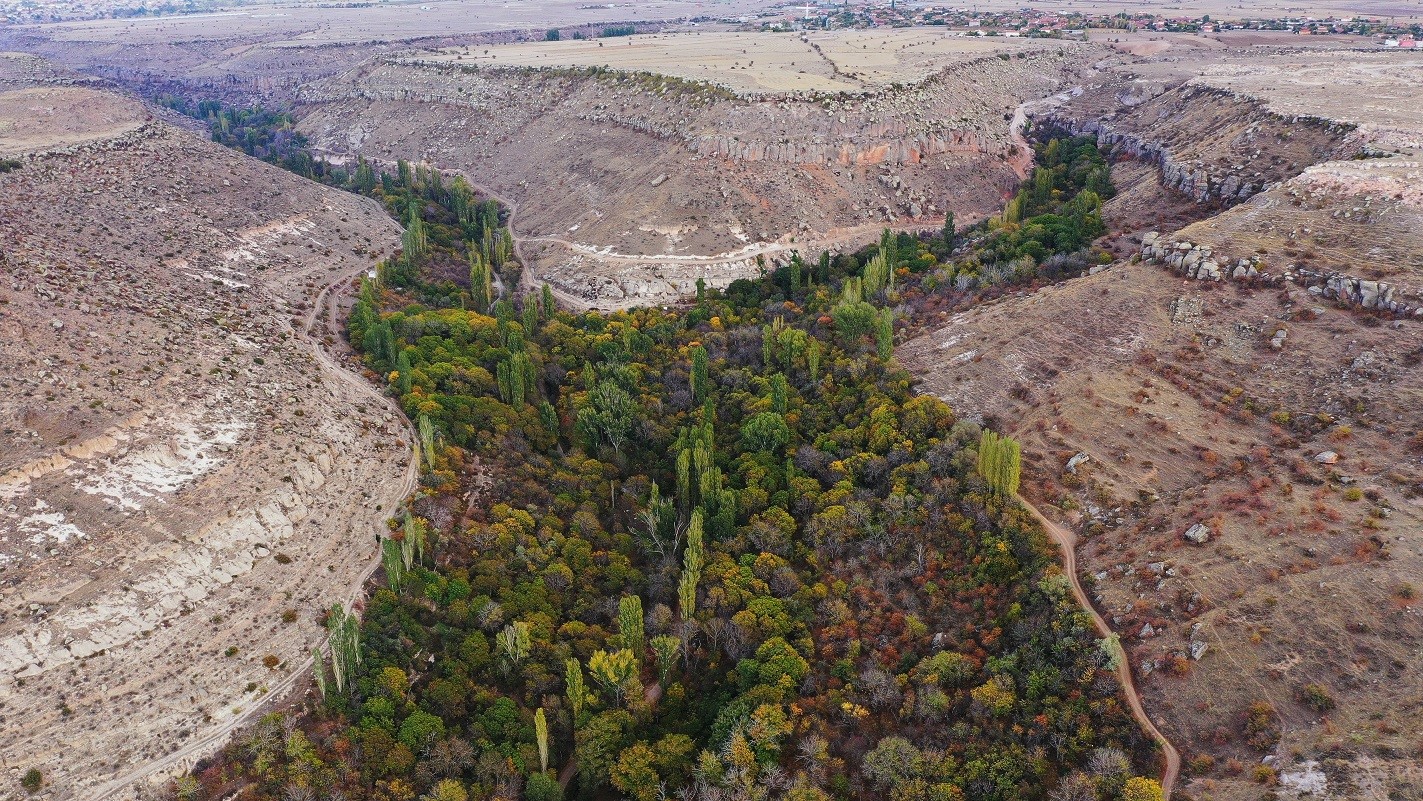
(189,478)
(1229,416)
(629,186)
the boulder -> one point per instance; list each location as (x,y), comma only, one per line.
(1200,534)
(1077,460)
(1198,649)
(1327,457)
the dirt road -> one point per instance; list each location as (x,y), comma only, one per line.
(210,741)
(1068,542)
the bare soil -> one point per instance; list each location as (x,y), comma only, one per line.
(186,482)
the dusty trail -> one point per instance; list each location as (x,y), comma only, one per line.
(324,303)
(1068,542)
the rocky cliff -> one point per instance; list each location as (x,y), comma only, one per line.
(1212,144)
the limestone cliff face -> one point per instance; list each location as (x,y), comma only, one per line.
(1211,144)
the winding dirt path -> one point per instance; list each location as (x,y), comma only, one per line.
(1068,542)
(324,303)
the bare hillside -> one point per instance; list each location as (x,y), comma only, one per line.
(188,479)
(1232,419)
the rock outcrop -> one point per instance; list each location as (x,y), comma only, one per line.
(1202,263)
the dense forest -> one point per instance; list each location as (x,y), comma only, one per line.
(715,552)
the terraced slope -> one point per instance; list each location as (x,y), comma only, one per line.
(186,483)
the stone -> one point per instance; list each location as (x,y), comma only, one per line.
(1147,632)
(1077,460)
(1198,649)
(1327,457)
(1200,534)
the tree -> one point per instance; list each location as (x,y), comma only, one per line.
(577,692)
(344,633)
(515,641)
(548,306)
(635,774)
(630,624)
(665,648)
(607,416)
(446,790)
(700,379)
(597,745)
(421,729)
(543,787)
(541,736)
(893,762)
(884,334)
(765,432)
(1140,788)
(392,560)
(427,440)
(481,281)
(614,671)
(999,462)
(948,231)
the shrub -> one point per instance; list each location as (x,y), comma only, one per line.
(271,661)
(1316,697)
(33,780)
(289,616)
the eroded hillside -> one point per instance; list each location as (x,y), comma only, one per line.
(1230,419)
(189,478)
(630,186)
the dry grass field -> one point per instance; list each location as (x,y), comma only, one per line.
(299,25)
(763,63)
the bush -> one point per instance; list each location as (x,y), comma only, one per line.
(1316,697)
(33,780)
(271,661)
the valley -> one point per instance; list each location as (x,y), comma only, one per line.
(533,277)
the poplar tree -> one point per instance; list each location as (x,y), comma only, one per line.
(390,559)
(630,624)
(549,307)
(576,690)
(541,735)
(700,374)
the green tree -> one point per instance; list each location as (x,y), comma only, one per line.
(765,432)
(999,462)
(608,414)
(635,773)
(598,744)
(700,379)
(577,692)
(665,648)
(615,671)
(543,787)
(630,624)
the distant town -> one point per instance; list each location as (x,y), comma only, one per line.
(1025,22)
